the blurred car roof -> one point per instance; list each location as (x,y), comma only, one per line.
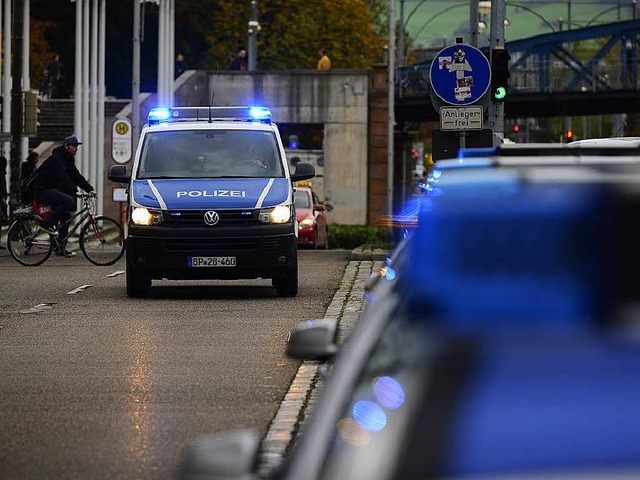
(542,154)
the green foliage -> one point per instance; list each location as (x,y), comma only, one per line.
(352,236)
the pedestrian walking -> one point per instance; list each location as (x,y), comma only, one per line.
(324,63)
(52,76)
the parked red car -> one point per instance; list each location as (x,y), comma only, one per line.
(312,218)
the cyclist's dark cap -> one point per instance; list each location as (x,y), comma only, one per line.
(71,141)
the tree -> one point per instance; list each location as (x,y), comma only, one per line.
(292,32)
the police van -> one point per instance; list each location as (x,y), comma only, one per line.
(211,197)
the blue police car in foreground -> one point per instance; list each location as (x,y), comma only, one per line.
(507,346)
(210,197)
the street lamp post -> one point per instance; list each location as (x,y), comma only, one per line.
(254,28)
(474,24)
(496,40)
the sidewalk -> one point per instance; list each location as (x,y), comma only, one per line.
(346,306)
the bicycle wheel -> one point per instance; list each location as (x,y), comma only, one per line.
(102,241)
(27,243)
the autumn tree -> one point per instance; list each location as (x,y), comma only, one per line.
(292,32)
(208,31)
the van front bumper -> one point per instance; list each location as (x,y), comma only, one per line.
(260,251)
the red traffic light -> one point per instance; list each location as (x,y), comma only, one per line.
(516,128)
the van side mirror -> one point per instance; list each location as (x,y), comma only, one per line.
(118,174)
(303,171)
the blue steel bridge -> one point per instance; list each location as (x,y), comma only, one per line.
(585,71)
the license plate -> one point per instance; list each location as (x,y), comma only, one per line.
(211,261)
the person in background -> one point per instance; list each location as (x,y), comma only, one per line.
(239,61)
(52,76)
(57,184)
(324,63)
(181,65)
(26,169)
(4,213)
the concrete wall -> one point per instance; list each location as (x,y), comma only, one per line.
(336,98)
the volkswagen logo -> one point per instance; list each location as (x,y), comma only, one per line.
(211,217)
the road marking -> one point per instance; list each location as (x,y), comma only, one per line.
(115,274)
(41,307)
(79,289)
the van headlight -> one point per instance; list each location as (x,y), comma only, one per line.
(279,214)
(144,216)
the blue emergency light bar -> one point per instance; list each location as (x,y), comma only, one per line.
(209,114)
(480,152)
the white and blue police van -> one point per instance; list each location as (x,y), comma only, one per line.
(210,196)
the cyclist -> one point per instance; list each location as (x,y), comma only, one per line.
(57,185)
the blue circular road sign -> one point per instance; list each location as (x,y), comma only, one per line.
(460,74)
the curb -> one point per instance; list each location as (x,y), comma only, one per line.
(366,252)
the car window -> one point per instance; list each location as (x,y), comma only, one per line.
(301,199)
(210,153)
(371,431)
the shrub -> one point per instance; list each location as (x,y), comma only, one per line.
(352,236)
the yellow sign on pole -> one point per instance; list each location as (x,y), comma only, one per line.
(121,140)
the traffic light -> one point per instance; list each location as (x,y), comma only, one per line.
(31,112)
(516,128)
(499,74)
(568,135)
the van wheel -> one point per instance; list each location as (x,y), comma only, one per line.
(138,284)
(287,285)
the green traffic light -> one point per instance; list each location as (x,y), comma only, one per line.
(500,93)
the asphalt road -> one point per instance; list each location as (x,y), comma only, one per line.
(96,385)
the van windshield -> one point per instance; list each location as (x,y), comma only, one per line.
(210,154)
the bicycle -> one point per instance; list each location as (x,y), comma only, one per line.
(101,238)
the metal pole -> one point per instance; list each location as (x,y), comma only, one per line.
(401,36)
(474,16)
(93,105)
(391,109)
(135,81)
(253,37)
(102,40)
(568,14)
(26,78)
(162,34)
(496,40)
(86,158)
(16,103)
(6,78)
(171,57)
(77,85)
